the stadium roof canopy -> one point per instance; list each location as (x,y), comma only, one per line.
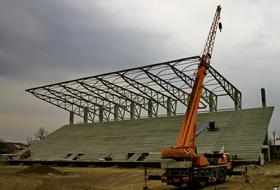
(147,91)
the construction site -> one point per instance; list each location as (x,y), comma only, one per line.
(177,124)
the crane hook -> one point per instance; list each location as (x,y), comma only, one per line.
(220,26)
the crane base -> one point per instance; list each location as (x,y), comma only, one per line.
(175,164)
(198,177)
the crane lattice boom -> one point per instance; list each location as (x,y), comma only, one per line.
(185,147)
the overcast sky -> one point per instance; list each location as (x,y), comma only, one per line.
(43,42)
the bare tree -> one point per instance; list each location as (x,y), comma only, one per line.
(41,133)
(29,140)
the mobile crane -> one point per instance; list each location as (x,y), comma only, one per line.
(183,165)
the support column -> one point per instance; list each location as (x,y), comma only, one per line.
(71,119)
(132,110)
(101,110)
(85,115)
(211,102)
(274,141)
(116,112)
(263,97)
(168,107)
(236,101)
(268,150)
(150,109)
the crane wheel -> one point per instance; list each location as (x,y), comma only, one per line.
(202,179)
(178,184)
(221,175)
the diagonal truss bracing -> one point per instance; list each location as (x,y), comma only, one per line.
(207,95)
(138,100)
(230,90)
(98,100)
(148,91)
(153,95)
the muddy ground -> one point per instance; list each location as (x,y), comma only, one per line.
(73,178)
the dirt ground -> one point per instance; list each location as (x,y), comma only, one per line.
(70,178)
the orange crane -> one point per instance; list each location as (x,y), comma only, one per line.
(183,166)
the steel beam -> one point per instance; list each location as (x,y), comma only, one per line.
(66,105)
(174,91)
(100,100)
(231,90)
(82,102)
(139,101)
(208,96)
(156,97)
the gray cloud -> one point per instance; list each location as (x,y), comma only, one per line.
(53,37)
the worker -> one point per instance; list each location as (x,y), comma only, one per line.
(211,125)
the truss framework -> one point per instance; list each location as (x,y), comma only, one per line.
(148,91)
